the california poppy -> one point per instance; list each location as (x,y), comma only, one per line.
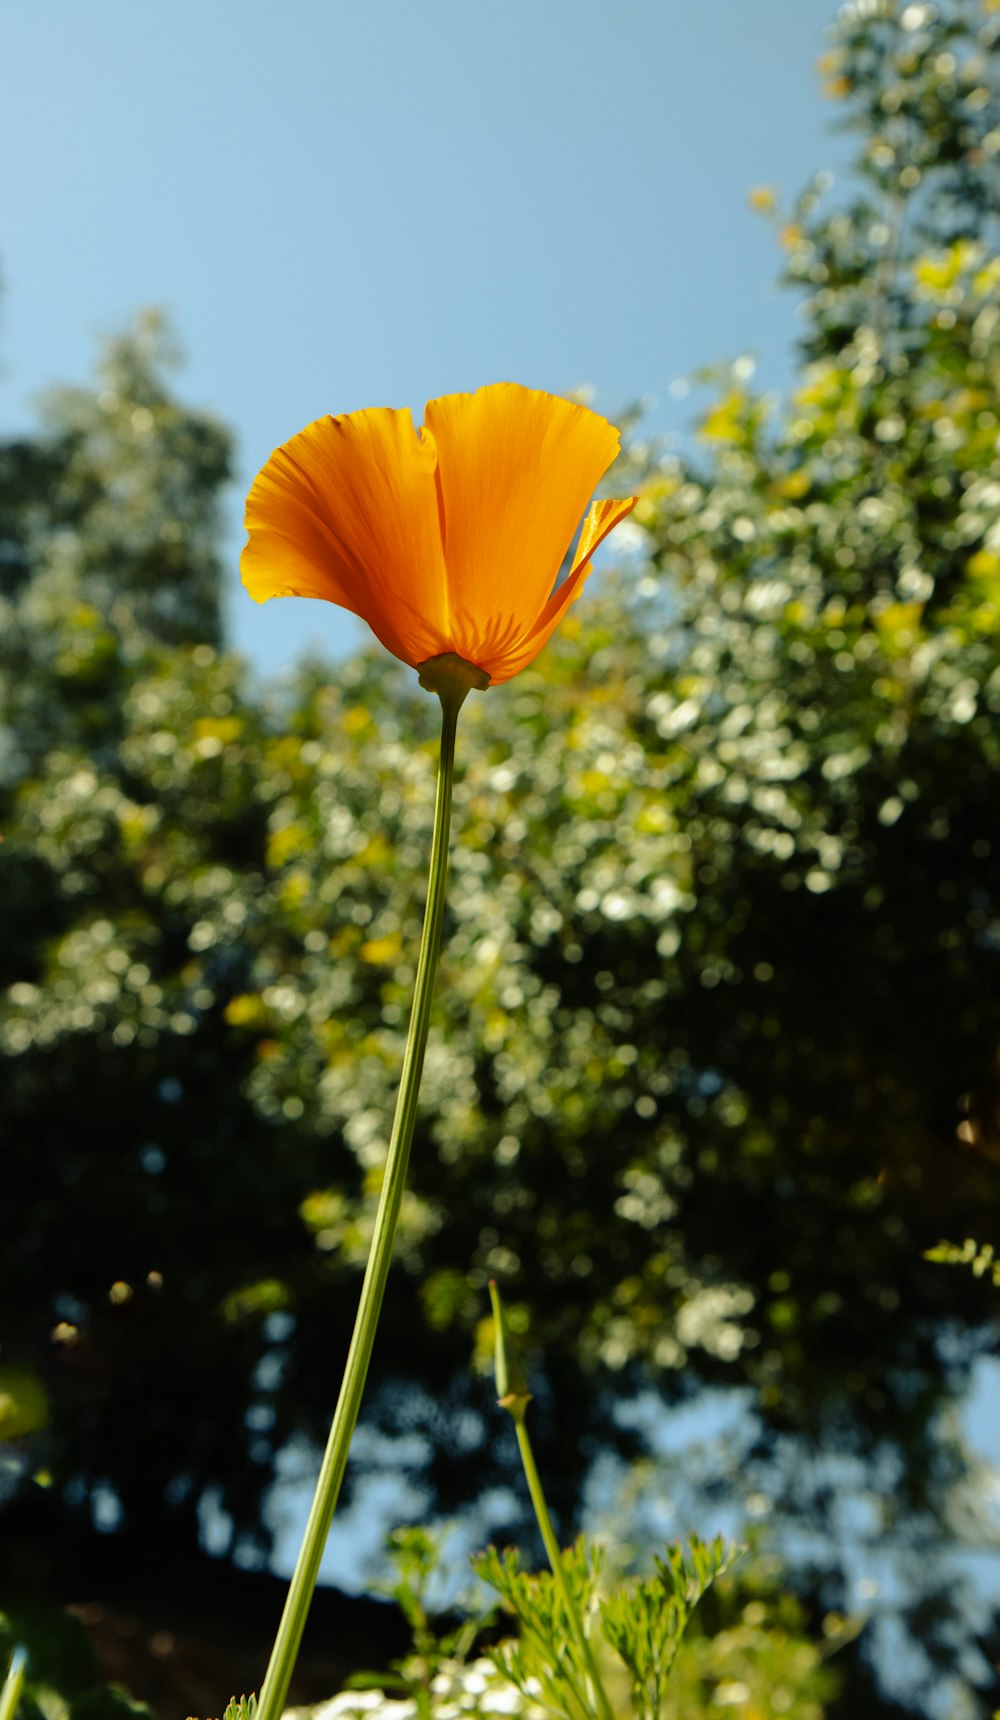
(445,540)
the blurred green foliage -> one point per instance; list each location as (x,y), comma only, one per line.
(979,1260)
(59,1677)
(440,1643)
(716,1056)
(641,1622)
(746,1644)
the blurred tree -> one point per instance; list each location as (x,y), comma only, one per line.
(716,1055)
(128,825)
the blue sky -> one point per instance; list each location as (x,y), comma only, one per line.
(344,205)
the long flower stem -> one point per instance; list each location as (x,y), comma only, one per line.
(555,1560)
(274,1692)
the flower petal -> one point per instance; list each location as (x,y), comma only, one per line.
(347,510)
(516,469)
(601,519)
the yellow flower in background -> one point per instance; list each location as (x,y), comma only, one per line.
(446,540)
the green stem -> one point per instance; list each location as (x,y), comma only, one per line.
(555,1560)
(274,1692)
(10,1694)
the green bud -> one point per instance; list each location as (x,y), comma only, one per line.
(512,1381)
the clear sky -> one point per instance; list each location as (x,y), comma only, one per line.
(345,203)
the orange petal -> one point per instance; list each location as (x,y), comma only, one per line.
(347,510)
(516,469)
(601,519)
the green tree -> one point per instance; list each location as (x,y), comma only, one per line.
(131,889)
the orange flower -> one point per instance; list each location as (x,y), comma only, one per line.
(446,540)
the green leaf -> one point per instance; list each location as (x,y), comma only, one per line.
(644,1622)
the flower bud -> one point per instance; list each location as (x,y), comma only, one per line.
(512,1381)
